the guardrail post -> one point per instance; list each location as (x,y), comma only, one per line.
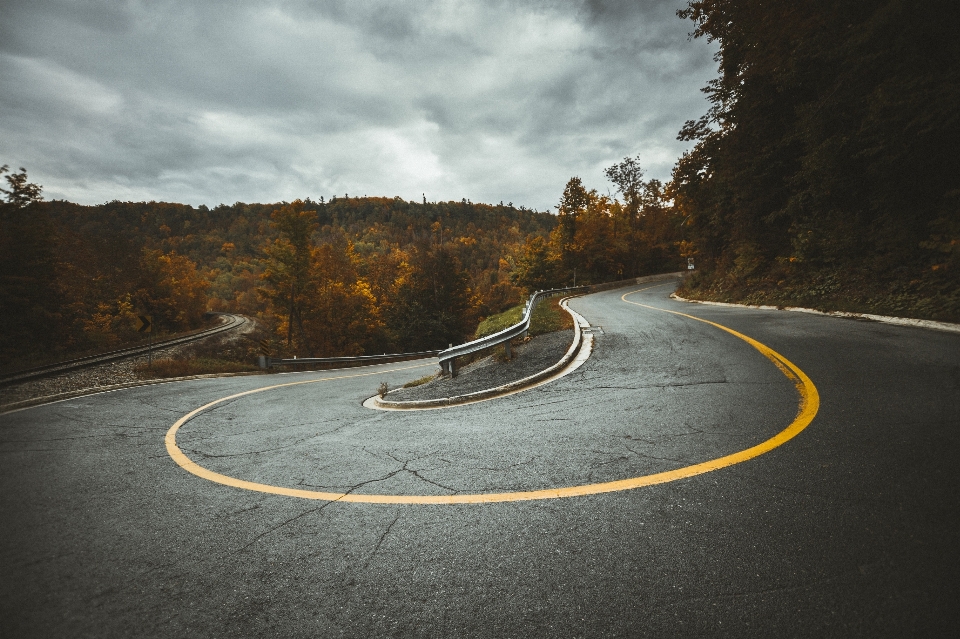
(452,365)
(506,348)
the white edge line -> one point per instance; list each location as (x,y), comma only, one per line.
(90,392)
(884,319)
(582,356)
(586,348)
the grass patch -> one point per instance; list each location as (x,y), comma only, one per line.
(547,318)
(498,322)
(166,368)
(420,382)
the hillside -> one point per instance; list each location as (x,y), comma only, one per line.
(825,173)
(75,276)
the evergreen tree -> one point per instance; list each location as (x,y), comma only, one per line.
(28,291)
(432,304)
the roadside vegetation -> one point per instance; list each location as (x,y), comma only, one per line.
(825,172)
(218,354)
(420,381)
(548,317)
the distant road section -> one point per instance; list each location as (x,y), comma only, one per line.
(229,323)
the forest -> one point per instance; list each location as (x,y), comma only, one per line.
(348,276)
(825,172)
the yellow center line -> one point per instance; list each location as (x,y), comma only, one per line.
(808,406)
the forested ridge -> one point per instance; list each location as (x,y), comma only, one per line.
(85,272)
(348,276)
(826,171)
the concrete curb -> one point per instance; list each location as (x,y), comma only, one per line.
(884,319)
(578,324)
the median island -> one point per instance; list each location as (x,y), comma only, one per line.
(551,333)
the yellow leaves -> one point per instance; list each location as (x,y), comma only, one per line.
(362,289)
(175,291)
(112,321)
(687,248)
(340,315)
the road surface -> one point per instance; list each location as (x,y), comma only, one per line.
(849,528)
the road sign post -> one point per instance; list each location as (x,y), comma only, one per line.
(264,359)
(145,325)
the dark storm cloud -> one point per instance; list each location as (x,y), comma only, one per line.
(210,102)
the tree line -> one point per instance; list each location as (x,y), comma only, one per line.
(825,170)
(348,276)
(343,277)
(599,238)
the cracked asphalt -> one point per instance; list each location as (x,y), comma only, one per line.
(850,529)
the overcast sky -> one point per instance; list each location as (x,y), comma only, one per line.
(206,102)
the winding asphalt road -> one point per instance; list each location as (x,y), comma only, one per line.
(850,528)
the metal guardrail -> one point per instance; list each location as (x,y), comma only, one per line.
(448,358)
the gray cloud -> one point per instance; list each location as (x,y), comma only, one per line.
(210,102)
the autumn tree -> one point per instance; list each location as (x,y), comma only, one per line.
(432,303)
(573,202)
(171,290)
(340,311)
(21,193)
(595,252)
(627,176)
(535,266)
(289,265)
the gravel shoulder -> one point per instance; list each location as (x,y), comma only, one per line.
(103,375)
(536,355)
